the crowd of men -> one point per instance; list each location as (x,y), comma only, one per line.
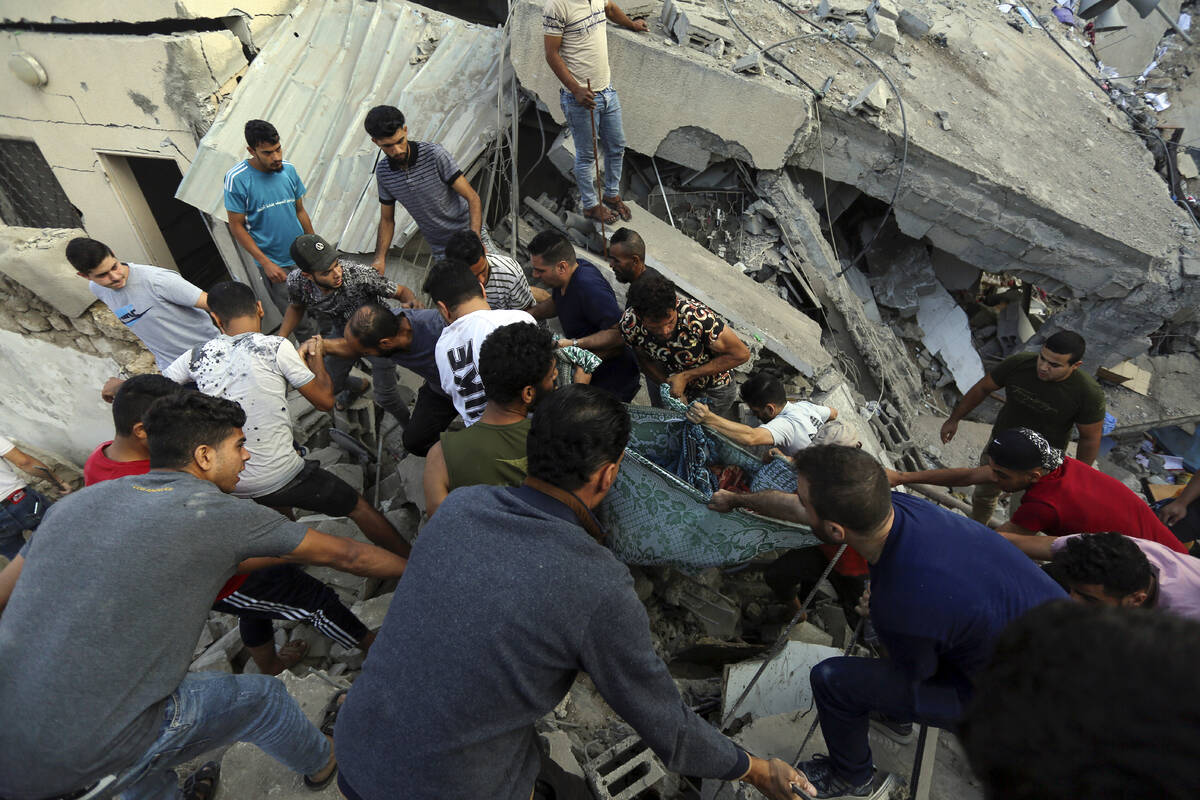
(509,592)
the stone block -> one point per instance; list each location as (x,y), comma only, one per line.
(33,321)
(751,63)
(58,322)
(885,35)
(912,24)
(872,98)
(883,8)
(247,772)
(36,259)
(373,611)
(562,154)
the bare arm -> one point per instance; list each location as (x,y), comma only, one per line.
(407,298)
(1032,545)
(614,13)
(730,352)
(974,396)
(291,318)
(318,391)
(608,339)
(347,555)
(1089,442)
(962,476)
(1177,509)
(474,206)
(583,95)
(1014,529)
(832,413)
(543,310)
(779,505)
(28,463)
(383,240)
(332,347)
(8,579)
(742,434)
(252,564)
(202,302)
(237,226)
(436,479)
(302,216)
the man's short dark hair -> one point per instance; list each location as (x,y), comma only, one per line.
(1067,343)
(230,300)
(464,246)
(763,387)
(383,121)
(1087,701)
(179,423)
(652,297)
(631,240)
(452,283)
(846,485)
(576,431)
(86,254)
(513,357)
(552,246)
(373,322)
(135,396)
(259,131)
(1109,560)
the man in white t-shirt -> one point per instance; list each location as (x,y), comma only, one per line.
(460,299)
(254,370)
(162,309)
(789,426)
(21,506)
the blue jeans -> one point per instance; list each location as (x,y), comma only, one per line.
(18,517)
(210,710)
(612,143)
(847,690)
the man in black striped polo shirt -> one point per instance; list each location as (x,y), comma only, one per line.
(426,181)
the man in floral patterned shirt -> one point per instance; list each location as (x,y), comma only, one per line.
(682,343)
(334,290)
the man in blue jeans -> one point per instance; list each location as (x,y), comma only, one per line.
(97,636)
(942,589)
(21,506)
(577,51)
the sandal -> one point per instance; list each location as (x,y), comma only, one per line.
(328,720)
(601,214)
(202,784)
(618,205)
(293,653)
(355,388)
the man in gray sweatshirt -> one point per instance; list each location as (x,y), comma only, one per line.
(531,597)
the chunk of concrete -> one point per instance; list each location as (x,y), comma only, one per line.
(248,772)
(562,154)
(883,8)
(36,259)
(783,685)
(948,335)
(751,63)
(884,34)
(872,98)
(912,24)
(373,611)
(350,473)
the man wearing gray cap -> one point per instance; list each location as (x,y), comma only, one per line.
(1062,495)
(333,290)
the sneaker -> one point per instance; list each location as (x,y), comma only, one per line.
(898,732)
(820,774)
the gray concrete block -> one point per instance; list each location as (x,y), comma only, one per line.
(751,63)
(873,98)
(885,34)
(912,24)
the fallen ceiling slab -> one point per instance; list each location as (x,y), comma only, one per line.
(748,306)
(315,80)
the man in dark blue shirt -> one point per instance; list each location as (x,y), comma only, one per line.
(942,589)
(407,337)
(587,308)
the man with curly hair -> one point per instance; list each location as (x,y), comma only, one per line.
(518,368)
(682,343)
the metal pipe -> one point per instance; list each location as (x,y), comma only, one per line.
(1175,25)
(666,203)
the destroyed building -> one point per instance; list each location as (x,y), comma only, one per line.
(882,198)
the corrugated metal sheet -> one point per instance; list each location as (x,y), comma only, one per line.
(315,81)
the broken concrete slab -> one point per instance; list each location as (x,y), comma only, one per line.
(248,772)
(954,273)
(783,685)
(755,313)
(948,336)
(873,97)
(912,24)
(36,259)
(751,63)
(884,35)
(373,611)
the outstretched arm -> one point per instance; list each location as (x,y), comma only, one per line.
(29,464)
(962,476)
(974,396)
(436,479)
(742,434)
(347,555)
(772,503)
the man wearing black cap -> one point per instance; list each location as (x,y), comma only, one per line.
(1045,392)
(322,283)
(1062,495)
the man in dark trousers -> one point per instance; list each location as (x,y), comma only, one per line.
(126,572)
(587,308)
(942,589)
(535,598)
(1045,392)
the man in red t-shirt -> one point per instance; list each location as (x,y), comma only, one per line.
(273,590)
(1062,495)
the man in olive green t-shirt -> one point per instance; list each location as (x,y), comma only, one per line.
(1045,392)
(518,367)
